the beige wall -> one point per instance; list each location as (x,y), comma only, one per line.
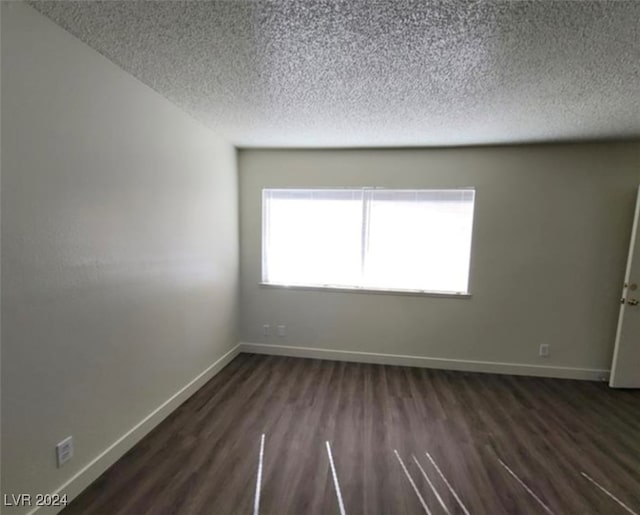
(119,250)
(552,226)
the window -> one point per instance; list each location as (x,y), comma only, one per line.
(378,239)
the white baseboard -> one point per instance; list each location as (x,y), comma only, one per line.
(116,450)
(492,367)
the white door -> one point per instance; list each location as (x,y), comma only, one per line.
(625,370)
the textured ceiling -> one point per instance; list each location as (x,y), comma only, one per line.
(379,73)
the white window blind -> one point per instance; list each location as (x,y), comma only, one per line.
(415,240)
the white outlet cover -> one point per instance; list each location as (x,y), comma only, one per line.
(64,451)
(282,330)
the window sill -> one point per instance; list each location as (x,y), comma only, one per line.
(352,289)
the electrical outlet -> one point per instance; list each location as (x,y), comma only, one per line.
(544,350)
(64,451)
(266,330)
(282,331)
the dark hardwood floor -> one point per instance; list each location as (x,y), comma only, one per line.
(203,459)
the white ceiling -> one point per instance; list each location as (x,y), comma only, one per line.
(379,72)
